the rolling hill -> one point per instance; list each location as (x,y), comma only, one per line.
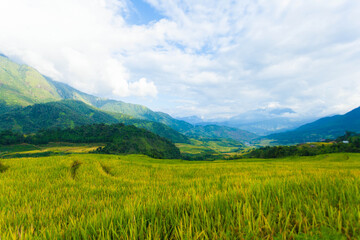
(324,128)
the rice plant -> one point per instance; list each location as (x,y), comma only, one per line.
(93,196)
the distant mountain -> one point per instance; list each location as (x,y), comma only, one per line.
(268,126)
(324,128)
(261,114)
(263,121)
(215,131)
(191,119)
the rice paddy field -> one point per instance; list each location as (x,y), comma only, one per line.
(93,196)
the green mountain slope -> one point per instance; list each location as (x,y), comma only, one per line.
(215,131)
(23,85)
(67,92)
(133,110)
(324,128)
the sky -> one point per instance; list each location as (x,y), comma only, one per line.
(213,59)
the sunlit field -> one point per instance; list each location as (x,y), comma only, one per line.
(89,196)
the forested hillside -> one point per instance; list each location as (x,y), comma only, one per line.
(70,113)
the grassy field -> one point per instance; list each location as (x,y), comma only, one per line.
(89,196)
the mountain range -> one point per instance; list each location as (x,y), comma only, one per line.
(25,91)
(30,101)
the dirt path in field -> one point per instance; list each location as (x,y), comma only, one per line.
(74,167)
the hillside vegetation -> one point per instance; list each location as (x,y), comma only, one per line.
(135,197)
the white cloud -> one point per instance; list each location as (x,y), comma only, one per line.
(143,88)
(73,42)
(227,56)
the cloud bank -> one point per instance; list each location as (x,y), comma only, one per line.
(209,58)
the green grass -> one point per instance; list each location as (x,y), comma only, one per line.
(88,196)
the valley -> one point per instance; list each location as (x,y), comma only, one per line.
(76,166)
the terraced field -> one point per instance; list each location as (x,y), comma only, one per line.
(89,196)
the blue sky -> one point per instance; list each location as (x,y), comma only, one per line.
(208,58)
(141,12)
